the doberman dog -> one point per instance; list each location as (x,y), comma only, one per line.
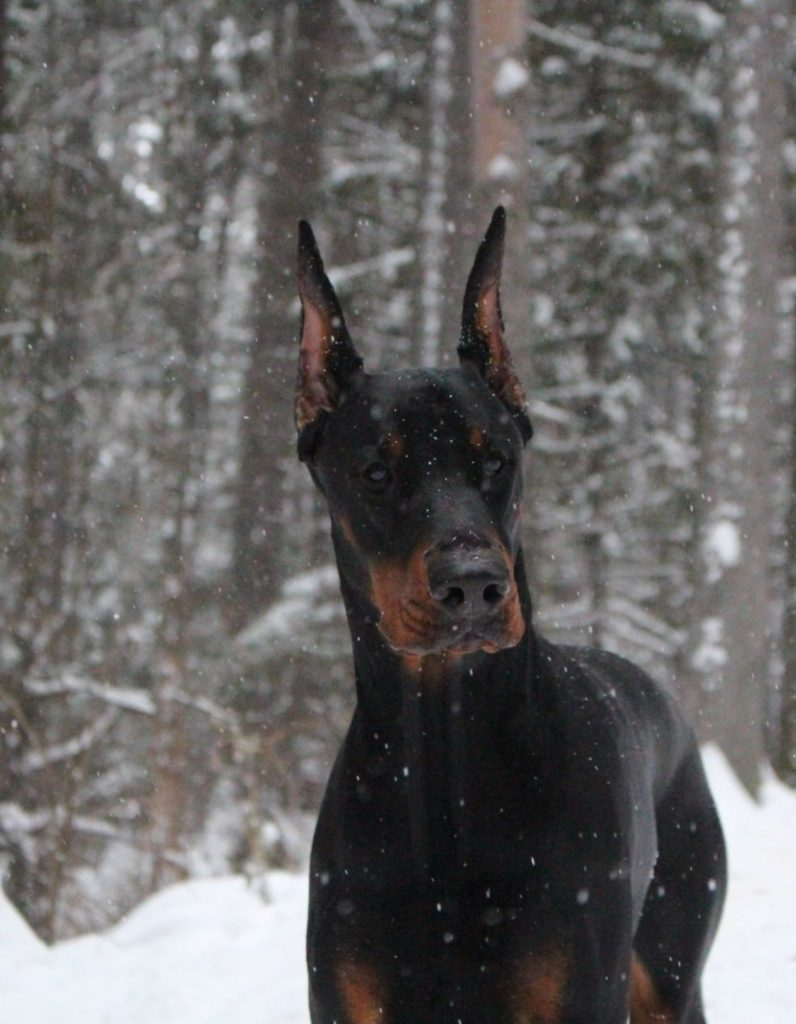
(514,832)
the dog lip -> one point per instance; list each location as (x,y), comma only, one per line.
(467,641)
(490,633)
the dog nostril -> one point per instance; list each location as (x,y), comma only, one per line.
(454,598)
(494,593)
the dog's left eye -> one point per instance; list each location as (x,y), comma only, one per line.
(493,464)
(376,473)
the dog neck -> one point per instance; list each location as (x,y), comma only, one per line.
(426,716)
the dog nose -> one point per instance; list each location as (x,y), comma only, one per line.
(468,583)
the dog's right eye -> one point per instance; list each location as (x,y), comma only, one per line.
(377,474)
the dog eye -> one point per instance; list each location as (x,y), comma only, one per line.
(376,474)
(493,464)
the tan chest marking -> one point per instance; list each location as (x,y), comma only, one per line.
(538,985)
(646,1006)
(361,993)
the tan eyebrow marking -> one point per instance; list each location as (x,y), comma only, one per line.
(394,444)
(477,438)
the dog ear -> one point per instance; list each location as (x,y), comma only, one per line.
(482,342)
(327,357)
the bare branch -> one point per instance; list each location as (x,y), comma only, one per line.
(589,47)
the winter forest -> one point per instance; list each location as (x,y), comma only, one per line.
(174,662)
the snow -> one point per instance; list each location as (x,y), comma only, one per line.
(724,543)
(211,951)
(510,77)
(752,972)
(699,19)
(502,168)
(287,616)
(710,654)
(18,944)
(203,952)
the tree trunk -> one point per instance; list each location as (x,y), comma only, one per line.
(497,42)
(732,651)
(785,752)
(188,313)
(291,166)
(447,200)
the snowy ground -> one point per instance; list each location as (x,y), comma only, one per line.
(209,952)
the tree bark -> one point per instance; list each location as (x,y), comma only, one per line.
(732,648)
(497,39)
(785,751)
(290,149)
(447,197)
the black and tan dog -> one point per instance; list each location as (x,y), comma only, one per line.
(513,832)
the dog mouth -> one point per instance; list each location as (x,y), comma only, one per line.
(421,634)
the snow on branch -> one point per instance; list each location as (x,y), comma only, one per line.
(361,24)
(547,411)
(207,707)
(629,633)
(35,760)
(70,683)
(589,47)
(663,633)
(90,825)
(386,264)
(124,698)
(19,823)
(344,171)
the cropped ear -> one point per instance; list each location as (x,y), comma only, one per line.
(482,342)
(327,357)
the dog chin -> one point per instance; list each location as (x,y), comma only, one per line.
(487,645)
(457,644)
(473,642)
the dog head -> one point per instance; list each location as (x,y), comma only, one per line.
(421,469)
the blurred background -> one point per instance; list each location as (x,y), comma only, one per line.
(174,663)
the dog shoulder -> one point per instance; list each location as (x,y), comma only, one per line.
(604,692)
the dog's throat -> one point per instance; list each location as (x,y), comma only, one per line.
(434,738)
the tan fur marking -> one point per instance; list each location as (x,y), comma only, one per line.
(410,621)
(514,620)
(500,370)
(477,438)
(361,993)
(537,995)
(393,585)
(394,445)
(646,1006)
(487,319)
(314,386)
(347,531)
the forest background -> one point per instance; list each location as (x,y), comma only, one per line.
(174,663)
